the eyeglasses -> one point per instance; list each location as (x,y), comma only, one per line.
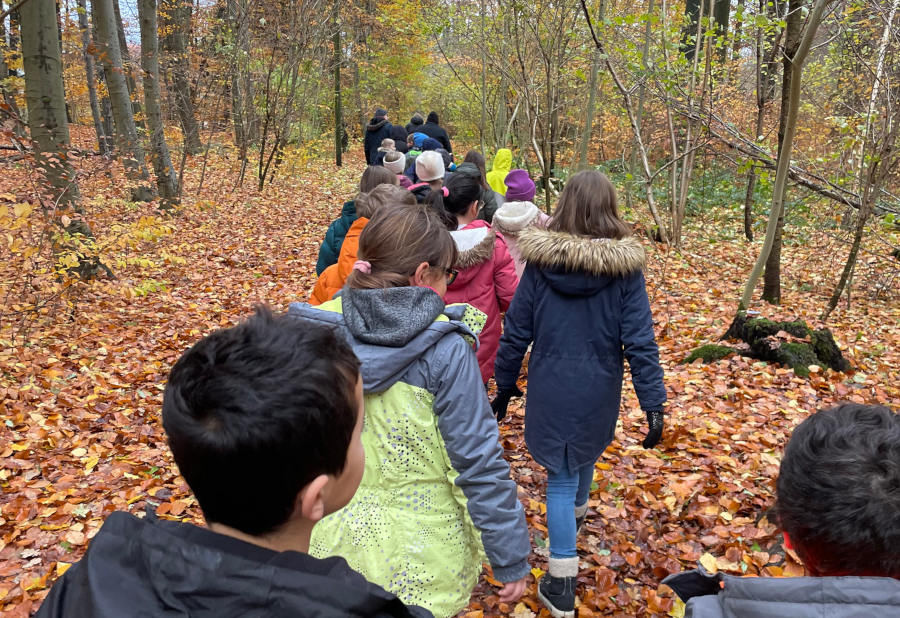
(452,274)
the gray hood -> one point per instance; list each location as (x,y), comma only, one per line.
(389,329)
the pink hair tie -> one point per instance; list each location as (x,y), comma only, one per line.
(362,266)
(445,191)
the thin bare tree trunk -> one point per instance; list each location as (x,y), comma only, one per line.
(793,32)
(85,28)
(784,152)
(166,180)
(126,134)
(128,67)
(177,22)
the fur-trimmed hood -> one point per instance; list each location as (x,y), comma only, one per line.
(560,251)
(475,245)
(513,217)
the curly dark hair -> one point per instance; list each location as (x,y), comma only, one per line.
(838,491)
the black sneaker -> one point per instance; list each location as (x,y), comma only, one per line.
(558,595)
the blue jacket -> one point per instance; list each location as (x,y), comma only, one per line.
(583,303)
(334,237)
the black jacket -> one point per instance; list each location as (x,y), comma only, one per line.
(490,200)
(398,134)
(136,567)
(432,128)
(415,123)
(577,363)
(377,130)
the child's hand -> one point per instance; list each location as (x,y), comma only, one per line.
(501,401)
(655,421)
(513,591)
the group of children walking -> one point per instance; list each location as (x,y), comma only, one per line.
(572,289)
(354,434)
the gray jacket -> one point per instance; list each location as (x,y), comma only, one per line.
(396,338)
(725,596)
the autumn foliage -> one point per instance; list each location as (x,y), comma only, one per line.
(83,366)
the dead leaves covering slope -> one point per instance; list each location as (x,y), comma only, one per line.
(80,434)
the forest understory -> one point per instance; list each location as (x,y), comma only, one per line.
(81,380)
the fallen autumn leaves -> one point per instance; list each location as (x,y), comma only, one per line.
(81,395)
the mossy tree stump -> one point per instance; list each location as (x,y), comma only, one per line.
(792,344)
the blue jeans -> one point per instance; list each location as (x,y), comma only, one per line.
(565,491)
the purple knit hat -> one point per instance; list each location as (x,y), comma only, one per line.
(519,186)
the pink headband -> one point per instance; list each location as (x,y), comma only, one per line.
(362,266)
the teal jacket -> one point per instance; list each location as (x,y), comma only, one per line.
(334,237)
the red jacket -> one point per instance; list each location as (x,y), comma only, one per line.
(487,281)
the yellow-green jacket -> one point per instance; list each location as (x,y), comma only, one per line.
(499,170)
(436,494)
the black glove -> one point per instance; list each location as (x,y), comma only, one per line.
(655,421)
(501,401)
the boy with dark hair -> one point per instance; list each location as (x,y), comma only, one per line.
(264,422)
(838,504)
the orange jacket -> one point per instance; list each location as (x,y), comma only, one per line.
(332,278)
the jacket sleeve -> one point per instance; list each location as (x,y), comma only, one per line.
(505,278)
(639,343)
(518,333)
(327,255)
(472,441)
(445,141)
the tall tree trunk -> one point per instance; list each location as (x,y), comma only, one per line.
(126,134)
(85,28)
(177,23)
(128,67)
(166,181)
(338,112)
(792,34)
(782,169)
(45,98)
(8,105)
(766,66)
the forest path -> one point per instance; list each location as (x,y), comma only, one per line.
(81,393)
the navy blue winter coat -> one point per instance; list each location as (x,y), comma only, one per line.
(377,130)
(583,303)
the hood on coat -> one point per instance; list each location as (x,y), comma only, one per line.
(513,217)
(432,118)
(392,315)
(376,123)
(349,209)
(475,244)
(577,265)
(502,161)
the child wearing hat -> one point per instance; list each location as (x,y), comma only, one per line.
(430,173)
(518,213)
(394,162)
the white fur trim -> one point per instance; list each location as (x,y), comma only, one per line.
(563,567)
(514,217)
(581,510)
(469,239)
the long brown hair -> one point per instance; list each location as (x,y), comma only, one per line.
(473,156)
(375,175)
(588,207)
(396,241)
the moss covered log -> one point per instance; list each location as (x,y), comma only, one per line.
(800,348)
